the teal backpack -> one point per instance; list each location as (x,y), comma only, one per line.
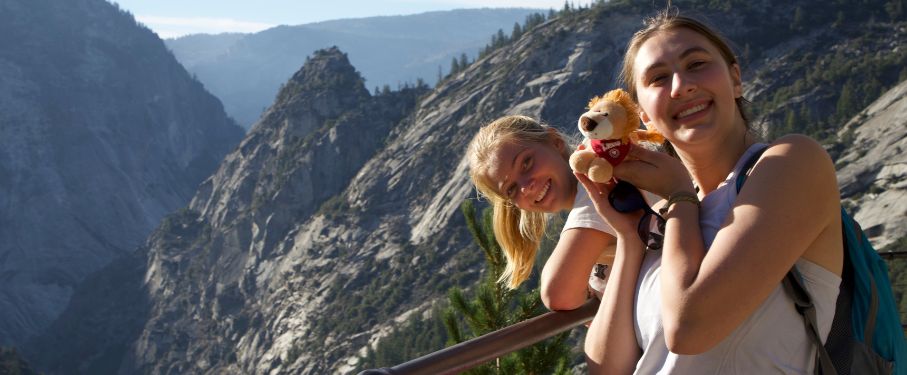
(866,335)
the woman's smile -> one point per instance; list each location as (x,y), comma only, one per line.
(543,192)
(693,111)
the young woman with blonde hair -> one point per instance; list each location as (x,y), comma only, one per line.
(521,167)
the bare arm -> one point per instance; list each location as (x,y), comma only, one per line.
(787,209)
(566,274)
(611,346)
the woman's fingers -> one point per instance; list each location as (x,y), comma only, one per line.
(599,195)
(598,192)
(622,223)
(653,171)
(642,153)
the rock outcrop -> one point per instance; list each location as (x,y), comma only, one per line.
(872,170)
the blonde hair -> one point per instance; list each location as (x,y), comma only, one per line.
(519,232)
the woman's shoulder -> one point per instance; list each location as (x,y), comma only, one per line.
(799,151)
(797,145)
(798,159)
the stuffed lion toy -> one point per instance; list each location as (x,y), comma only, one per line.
(609,127)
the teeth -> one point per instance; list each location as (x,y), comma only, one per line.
(543,192)
(691,111)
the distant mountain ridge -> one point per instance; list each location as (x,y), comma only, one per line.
(261,274)
(102,133)
(246,70)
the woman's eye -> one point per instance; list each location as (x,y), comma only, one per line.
(655,80)
(527,163)
(510,191)
(696,64)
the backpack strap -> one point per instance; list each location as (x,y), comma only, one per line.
(804,305)
(795,289)
(748,167)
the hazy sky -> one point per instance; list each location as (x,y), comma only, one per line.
(172,18)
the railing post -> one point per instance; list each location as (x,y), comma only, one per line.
(469,354)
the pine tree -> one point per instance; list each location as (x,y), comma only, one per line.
(454,66)
(501,38)
(533,20)
(895,9)
(517,31)
(790,123)
(839,20)
(494,306)
(845,105)
(797,23)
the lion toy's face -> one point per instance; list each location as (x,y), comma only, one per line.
(611,116)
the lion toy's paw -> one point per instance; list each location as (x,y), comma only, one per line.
(586,162)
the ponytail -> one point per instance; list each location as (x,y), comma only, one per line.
(519,233)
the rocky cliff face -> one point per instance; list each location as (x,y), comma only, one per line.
(337,215)
(102,133)
(266,257)
(872,170)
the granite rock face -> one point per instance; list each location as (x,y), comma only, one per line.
(872,170)
(102,133)
(249,221)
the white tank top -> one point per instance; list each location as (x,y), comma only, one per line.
(772,340)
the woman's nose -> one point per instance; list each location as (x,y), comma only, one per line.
(681,84)
(526,187)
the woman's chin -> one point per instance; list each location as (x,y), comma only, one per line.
(691,136)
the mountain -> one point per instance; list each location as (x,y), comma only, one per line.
(102,133)
(336,218)
(246,70)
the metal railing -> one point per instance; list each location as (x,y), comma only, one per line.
(889,255)
(468,354)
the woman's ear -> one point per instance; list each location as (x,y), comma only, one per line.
(735,79)
(556,140)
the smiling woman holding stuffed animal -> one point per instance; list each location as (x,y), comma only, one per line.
(710,300)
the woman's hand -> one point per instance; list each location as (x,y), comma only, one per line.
(624,224)
(655,172)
